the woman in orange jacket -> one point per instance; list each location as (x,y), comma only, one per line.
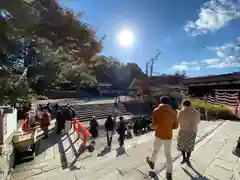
(164,120)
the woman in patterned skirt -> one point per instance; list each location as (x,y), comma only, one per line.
(188,118)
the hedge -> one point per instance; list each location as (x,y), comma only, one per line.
(214,111)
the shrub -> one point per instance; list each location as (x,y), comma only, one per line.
(227,114)
(221,112)
(207,106)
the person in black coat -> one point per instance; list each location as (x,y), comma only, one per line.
(60,120)
(109,126)
(93,127)
(136,127)
(49,108)
(73,112)
(121,131)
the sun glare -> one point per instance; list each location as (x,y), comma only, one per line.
(125,38)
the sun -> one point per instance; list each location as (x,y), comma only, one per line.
(125,38)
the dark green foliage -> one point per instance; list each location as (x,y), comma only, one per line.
(44,46)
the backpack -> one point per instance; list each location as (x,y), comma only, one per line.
(68,114)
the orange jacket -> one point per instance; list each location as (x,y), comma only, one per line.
(25,124)
(46,118)
(164,121)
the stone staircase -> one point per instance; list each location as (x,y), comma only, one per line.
(100,111)
(60,157)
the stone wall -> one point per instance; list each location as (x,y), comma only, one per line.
(8,122)
(7,158)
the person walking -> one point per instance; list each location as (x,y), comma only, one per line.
(68,114)
(121,131)
(49,108)
(164,120)
(109,126)
(45,122)
(93,127)
(60,121)
(188,118)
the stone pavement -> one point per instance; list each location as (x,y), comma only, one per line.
(59,157)
(213,159)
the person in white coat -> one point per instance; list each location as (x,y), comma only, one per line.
(188,118)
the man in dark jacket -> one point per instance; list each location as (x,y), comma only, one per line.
(93,129)
(121,131)
(68,117)
(72,111)
(49,108)
(109,126)
(60,120)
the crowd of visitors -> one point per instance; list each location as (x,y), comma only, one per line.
(43,115)
(165,118)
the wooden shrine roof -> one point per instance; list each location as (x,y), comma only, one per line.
(213,78)
(157,81)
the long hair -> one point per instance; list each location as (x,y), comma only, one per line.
(186,103)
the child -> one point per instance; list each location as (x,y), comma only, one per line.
(121,131)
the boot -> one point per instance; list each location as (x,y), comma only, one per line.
(183,161)
(169,176)
(188,162)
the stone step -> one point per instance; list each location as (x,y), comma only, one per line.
(89,166)
(135,158)
(86,112)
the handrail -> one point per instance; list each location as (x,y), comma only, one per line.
(81,131)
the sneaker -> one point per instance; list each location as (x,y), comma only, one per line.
(188,162)
(169,176)
(150,163)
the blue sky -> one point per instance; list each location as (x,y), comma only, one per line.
(198,36)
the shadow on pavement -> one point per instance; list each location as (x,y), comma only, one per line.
(51,141)
(48,142)
(81,150)
(199,176)
(62,153)
(104,151)
(72,146)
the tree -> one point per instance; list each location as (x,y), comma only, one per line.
(110,70)
(44,46)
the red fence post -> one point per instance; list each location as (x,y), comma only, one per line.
(81,131)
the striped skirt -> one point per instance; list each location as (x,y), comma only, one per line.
(186,141)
